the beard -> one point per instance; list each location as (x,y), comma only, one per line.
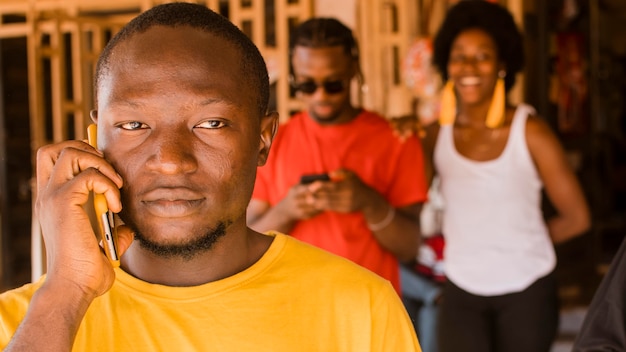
(185,251)
(325,119)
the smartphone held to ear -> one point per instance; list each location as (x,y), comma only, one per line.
(104,215)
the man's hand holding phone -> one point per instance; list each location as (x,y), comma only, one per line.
(338,190)
(66,174)
(344,193)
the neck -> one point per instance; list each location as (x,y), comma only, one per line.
(472,115)
(346,115)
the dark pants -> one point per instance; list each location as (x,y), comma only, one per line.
(525,321)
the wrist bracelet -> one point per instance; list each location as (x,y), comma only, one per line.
(385,222)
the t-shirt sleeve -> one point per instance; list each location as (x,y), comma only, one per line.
(392,329)
(409,185)
(13,307)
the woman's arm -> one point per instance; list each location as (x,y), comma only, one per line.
(560,182)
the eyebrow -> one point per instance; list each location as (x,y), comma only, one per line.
(125,103)
(205,102)
(212,101)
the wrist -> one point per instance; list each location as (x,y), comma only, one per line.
(68,304)
(66,293)
(384,222)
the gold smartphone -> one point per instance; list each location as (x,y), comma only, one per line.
(103,214)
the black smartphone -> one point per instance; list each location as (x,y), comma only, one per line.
(305,179)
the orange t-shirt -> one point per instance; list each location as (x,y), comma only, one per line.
(365,146)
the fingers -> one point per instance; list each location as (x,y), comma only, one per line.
(340,175)
(77,163)
(71,158)
(125,237)
(406,126)
(323,195)
(342,194)
(47,157)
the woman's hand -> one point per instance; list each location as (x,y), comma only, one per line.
(406,126)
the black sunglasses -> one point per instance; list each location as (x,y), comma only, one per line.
(330,87)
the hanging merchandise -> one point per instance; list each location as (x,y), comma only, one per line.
(422,79)
(419,74)
(572,89)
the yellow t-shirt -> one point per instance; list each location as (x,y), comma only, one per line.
(295,298)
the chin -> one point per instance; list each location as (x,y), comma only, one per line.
(327,118)
(183,248)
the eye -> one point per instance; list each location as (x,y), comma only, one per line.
(133,125)
(481,57)
(211,124)
(457,58)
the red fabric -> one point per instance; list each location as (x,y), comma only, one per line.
(430,258)
(366,146)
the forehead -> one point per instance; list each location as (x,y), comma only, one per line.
(474,37)
(164,59)
(330,59)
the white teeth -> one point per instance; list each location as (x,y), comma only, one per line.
(467,81)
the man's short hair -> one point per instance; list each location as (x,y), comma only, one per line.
(202,18)
(323,32)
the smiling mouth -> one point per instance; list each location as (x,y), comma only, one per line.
(469,81)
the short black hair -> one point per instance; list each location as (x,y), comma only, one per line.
(205,19)
(319,32)
(492,18)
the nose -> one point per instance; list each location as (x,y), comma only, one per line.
(172,153)
(470,62)
(320,94)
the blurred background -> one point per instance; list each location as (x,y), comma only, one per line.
(575,76)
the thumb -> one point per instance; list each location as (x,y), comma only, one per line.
(339,175)
(125,237)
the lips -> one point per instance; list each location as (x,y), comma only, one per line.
(172,202)
(470,81)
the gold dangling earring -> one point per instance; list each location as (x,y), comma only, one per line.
(497,110)
(447,111)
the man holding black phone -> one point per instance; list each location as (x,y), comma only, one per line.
(337,177)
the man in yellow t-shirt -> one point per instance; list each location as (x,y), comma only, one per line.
(183,124)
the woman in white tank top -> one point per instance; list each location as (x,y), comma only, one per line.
(493,161)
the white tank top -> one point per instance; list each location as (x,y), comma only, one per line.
(496,239)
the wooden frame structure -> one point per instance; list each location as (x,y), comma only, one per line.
(64,38)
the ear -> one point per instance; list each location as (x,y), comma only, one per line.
(269,126)
(94,116)
(355,68)
(502,67)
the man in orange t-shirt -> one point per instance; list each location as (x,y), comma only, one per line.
(367,208)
